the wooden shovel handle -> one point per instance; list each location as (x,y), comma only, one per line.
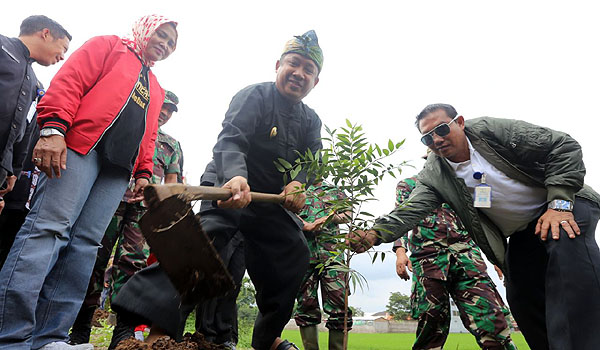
(156,193)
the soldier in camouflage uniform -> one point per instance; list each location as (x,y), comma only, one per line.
(446,262)
(132,251)
(331,278)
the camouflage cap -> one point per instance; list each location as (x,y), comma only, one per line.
(171,98)
(306,45)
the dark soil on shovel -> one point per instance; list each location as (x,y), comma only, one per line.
(184,251)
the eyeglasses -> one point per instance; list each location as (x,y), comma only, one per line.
(440,130)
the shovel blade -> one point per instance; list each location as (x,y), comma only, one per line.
(184,251)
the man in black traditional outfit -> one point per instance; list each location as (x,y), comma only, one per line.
(264,122)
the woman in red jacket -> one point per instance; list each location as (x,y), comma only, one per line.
(98,125)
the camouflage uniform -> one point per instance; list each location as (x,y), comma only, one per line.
(321,244)
(131,251)
(446,262)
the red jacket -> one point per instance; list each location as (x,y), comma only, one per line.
(89,91)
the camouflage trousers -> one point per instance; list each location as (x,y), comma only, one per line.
(130,254)
(332,282)
(481,309)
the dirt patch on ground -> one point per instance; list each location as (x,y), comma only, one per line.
(99,314)
(190,342)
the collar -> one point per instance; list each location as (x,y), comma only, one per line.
(284,102)
(24,50)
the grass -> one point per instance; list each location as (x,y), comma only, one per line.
(399,341)
(100,337)
(357,341)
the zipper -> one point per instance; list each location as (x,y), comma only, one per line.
(121,111)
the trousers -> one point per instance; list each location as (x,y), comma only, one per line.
(553,287)
(44,278)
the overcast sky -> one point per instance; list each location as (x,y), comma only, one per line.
(537,61)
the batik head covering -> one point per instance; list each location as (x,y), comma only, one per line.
(306,45)
(143,29)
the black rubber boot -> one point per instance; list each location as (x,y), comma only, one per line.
(124,329)
(80,333)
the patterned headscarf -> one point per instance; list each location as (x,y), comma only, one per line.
(143,29)
(307,45)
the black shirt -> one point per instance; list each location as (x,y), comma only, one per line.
(120,143)
(260,127)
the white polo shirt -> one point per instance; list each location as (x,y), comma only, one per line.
(514,204)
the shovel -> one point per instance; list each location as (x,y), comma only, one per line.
(183,249)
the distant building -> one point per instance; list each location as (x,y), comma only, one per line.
(383,314)
(456,325)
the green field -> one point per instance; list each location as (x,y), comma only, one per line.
(357,341)
(398,341)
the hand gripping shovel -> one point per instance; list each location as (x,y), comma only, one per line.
(183,249)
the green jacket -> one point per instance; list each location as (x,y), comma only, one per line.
(534,155)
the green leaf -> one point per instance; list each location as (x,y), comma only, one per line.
(390,145)
(348,123)
(279,167)
(285,163)
(295,171)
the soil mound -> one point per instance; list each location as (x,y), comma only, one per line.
(190,342)
(99,314)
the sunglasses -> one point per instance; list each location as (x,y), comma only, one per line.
(440,130)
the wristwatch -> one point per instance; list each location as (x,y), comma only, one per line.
(560,205)
(45,132)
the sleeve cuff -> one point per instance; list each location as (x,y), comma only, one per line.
(378,239)
(142,174)
(56,123)
(398,244)
(560,192)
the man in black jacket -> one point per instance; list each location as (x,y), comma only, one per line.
(264,122)
(40,40)
(509,178)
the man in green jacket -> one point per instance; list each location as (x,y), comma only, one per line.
(511,178)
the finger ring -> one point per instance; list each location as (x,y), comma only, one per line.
(564,222)
(37,160)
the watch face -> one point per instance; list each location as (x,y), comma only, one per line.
(560,204)
(49,132)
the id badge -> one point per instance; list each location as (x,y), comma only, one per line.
(31,111)
(483,196)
